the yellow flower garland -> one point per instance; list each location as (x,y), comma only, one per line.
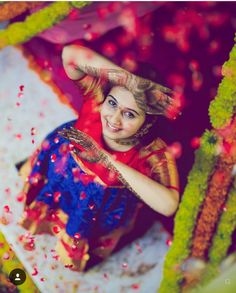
(12,263)
(34,24)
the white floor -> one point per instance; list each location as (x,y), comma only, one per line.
(129,270)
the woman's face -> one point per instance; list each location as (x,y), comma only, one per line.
(120,115)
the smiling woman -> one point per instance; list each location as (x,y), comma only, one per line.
(120,116)
(88,181)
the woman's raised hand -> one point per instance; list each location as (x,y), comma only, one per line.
(151,97)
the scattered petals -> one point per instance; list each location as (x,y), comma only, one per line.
(56,229)
(53,158)
(57,196)
(35,272)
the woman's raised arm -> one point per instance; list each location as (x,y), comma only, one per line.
(79,61)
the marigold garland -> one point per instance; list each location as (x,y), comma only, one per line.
(10,10)
(218,189)
(221,112)
(34,24)
(205,159)
(222,238)
(212,208)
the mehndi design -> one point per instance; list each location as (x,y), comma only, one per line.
(151,97)
(93,152)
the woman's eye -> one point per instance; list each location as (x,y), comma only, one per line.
(129,115)
(112,103)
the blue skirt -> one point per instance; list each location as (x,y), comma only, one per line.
(93,209)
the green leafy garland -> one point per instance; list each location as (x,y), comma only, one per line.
(8,265)
(34,24)
(185,219)
(221,110)
(222,238)
(223,106)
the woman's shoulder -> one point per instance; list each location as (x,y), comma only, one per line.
(157,146)
(158,162)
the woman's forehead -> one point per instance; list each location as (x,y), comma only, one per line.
(124,97)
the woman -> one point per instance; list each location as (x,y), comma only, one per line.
(90,177)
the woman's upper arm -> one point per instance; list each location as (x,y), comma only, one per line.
(71,60)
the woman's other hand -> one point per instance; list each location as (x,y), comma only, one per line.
(92,151)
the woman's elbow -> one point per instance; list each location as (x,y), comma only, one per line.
(172,207)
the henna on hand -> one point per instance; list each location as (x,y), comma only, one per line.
(93,153)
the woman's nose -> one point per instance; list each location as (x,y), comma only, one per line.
(116,118)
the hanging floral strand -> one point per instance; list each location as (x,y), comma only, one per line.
(34,24)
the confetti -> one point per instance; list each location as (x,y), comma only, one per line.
(35,272)
(71,147)
(33,131)
(57,196)
(86,26)
(69,266)
(82,195)
(194,65)
(18,136)
(135,286)
(74,14)
(56,229)
(224,208)
(168,242)
(102,12)
(91,206)
(105,275)
(6,256)
(138,247)
(41,115)
(109,49)
(74,247)
(77,236)
(195,142)
(6,209)
(8,191)
(56,140)
(21,197)
(53,158)
(175,149)
(56,257)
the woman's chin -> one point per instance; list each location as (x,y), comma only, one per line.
(112,134)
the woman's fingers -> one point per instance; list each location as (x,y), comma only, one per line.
(163,88)
(77,136)
(70,136)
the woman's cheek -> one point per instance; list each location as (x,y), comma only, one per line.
(130,127)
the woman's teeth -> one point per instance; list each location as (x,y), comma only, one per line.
(112,127)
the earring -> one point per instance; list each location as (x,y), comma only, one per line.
(144,130)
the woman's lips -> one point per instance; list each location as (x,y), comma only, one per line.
(111,127)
